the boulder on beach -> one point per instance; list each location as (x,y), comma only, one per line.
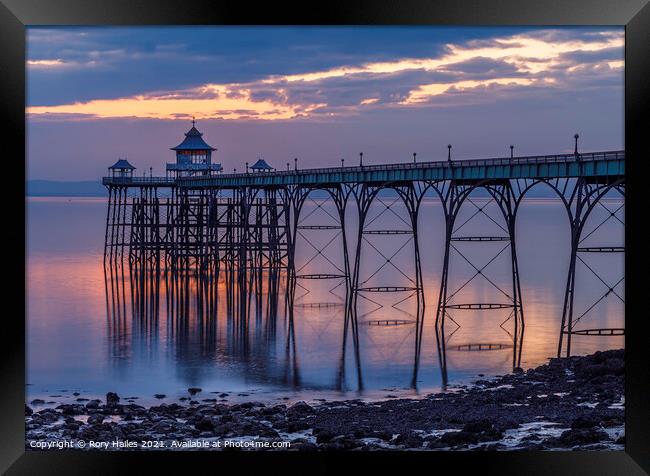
(93,404)
(409,440)
(478,426)
(300,409)
(582,436)
(95,419)
(194,390)
(322,435)
(112,398)
(204,424)
(584,421)
(295,426)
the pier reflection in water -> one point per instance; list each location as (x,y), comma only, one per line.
(170,329)
(201,324)
(243,298)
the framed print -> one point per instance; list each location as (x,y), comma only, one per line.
(385,232)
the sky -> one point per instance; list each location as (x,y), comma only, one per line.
(96,94)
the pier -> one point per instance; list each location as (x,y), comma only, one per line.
(244,228)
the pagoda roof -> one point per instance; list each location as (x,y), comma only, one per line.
(193,141)
(261,165)
(122,164)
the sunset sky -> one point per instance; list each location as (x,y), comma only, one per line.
(319,94)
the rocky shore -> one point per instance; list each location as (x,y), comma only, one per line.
(575,403)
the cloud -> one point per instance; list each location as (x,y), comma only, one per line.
(481,66)
(47,63)
(425,92)
(56,37)
(460,73)
(59,65)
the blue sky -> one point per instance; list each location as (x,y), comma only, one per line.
(319,94)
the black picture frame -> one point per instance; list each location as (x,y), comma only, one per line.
(15,15)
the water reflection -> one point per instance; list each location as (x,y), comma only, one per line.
(168,329)
(197,314)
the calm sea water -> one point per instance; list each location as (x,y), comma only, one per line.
(75,342)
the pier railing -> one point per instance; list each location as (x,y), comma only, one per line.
(135,181)
(543,159)
(557,165)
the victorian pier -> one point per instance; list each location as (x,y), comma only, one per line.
(198,226)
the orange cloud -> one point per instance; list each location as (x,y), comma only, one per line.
(219,104)
(45,63)
(534,59)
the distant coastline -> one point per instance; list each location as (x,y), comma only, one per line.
(53,188)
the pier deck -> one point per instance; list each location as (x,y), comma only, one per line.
(593,164)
